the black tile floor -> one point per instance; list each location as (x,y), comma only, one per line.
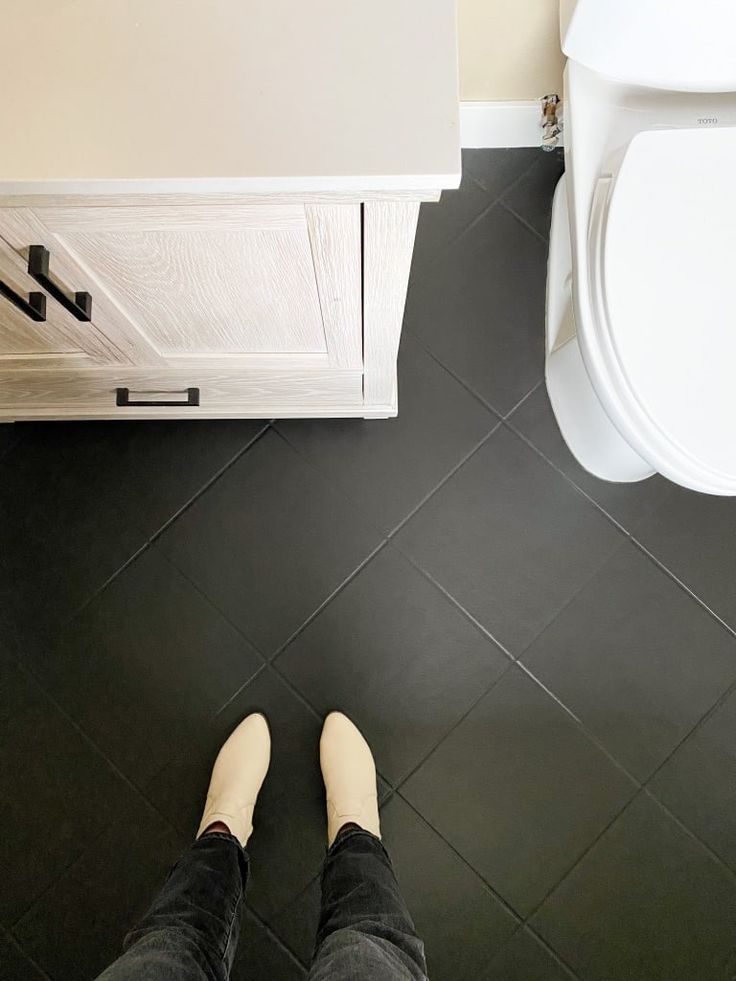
(544,664)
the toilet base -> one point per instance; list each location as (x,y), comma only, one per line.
(587,429)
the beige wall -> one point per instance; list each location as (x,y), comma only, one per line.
(509,49)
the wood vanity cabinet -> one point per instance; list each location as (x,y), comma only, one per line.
(171,290)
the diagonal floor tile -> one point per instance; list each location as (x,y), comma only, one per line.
(460,920)
(288,844)
(694,536)
(523,791)
(525,958)
(56,792)
(150,470)
(388,467)
(261,956)
(297,923)
(509,539)
(269,542)
(626,503)
(531,196)
(647,903)
(496,172)
(145,664)
(397,657)
(14,965)
(485,177)
(635,659)
(77,928)
(481,312)
(60,542)
(697,782)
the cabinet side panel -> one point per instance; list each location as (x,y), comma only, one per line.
(334,233)
(389,229)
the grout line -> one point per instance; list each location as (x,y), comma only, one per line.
(496,895)
(617,814)
(592,737)
(450,473)
(550,950)
(523,399)
(405,779)
(388,535)
(274,936)
(336,592)
(689,832)
(471,391)
(524,222)
(423,269)
(457,604)
(335,487)
(238,691)
(108,582)
(692,733)
(671,575)
(137,792)
(152,538)
(213,479)
(509,424)
(15,942)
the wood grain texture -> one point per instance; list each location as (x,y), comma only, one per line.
(218,282)
(110,338)
(389,230)
(53,199)
(61,332)
(245,392)
(192,217)
(19,335)
(335,236)
(44,362)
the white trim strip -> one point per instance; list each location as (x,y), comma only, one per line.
(500,124)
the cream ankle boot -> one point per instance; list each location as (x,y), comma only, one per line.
(349,774)
(239,771)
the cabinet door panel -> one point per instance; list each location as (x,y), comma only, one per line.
(25,340)
(201,281)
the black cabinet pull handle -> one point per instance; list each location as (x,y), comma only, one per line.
(34,307)
(38,267)
(122,397)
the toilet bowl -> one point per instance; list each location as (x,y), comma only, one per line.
(641,299)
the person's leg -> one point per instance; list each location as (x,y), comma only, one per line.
(190,933)
(365,929)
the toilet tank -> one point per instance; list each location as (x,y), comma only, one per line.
(685,45)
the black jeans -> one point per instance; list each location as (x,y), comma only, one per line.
(190,933)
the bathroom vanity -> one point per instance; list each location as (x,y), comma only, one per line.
(209,210)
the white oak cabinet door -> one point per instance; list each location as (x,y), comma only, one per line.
(210,284)
(37,332)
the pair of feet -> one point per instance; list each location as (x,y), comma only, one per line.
(241,766)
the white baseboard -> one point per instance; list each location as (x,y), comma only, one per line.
(500,124)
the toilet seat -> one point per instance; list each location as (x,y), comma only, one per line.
(661,347)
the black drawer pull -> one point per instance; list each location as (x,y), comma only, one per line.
(122,397)
(38,267)
(34,307)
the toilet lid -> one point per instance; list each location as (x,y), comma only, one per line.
(669,282)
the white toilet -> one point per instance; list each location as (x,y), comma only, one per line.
(641,291)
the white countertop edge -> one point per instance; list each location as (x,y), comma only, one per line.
(234,185)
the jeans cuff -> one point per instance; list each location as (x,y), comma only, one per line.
(343,836)
(222,835)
